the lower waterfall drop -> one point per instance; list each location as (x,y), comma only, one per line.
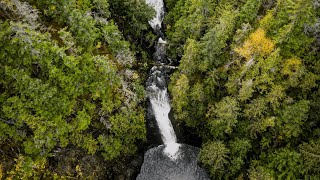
(160,104)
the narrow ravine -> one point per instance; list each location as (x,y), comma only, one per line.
(171,160)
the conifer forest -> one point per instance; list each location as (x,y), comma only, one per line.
(135,89)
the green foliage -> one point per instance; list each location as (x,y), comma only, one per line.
(310,153)
(190,20)
(292,119)
(180,89)
(216,38)
(286,162)
(247,82)
(260,173)
(111,147)
(214,155)
(102,8)
(288,21)
(132,15)
(249,11)
(223,116)
(202,56)
(239,149)
(67,86)
(82,27)
(170,4)
(25,168)
(252,81)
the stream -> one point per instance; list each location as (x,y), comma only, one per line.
(170,160)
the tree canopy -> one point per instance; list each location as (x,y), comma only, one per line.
(69,87)
(248,83)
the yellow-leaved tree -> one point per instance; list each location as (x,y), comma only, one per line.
(257,44)
(292,66)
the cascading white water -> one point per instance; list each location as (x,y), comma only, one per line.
(159,100)
(159,7)
(171,161)
(161,107)
(157,88)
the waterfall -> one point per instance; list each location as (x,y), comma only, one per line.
(159,8)
(159,100)
(171,161)
(157,87)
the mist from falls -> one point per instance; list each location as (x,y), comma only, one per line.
(170,161)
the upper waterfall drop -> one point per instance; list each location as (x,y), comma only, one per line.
(158,5)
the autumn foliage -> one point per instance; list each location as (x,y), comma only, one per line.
(257,45)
